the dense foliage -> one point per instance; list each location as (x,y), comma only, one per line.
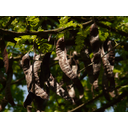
(88,62)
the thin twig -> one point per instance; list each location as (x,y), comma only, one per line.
(84,104)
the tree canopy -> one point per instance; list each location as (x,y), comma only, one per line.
(67,63)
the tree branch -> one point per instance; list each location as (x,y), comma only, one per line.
(18,81)
(9,22)
(84,104)
(40,33)
(112,29)
(113,102)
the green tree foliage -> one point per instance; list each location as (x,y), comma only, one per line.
(39,34)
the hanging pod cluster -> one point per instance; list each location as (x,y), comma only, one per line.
(32,79)
(39,78)
(36,83)
(74,64)
(95,44)
(65,66)
(92,66)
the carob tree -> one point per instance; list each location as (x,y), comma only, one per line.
(94,58)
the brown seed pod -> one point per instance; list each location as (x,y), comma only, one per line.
(87,61)
(40,104)
(95,44)
(5,59)
(111,57)
(108,63)
(65,67)
(51,82)
(107,66)
(35,68)
(63,62)
(45,69)
(74,63)
(47,78)
(8,94)
(31,75)
(25,63)
(29,99)
(8,67)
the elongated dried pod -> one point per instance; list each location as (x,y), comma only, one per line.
(74,63)
(47,78)
(65,67)
(111,58)
(70,89)
(32,77)
(35,68)
(63,62)
(25,63)
(28,99)
(51,82)
(108,69)
(45,69)
(95,44)
(40,104)
(9,71)
(87,61)
(8,94)
(5,59)
(106,63)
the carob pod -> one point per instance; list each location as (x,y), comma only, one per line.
(65,67)
(45,69)
(51,82)
(106,63)
(32,78)
(87,61)
(36,80)
(74,63)
(9,71)
(111,58)
(5,59)
(44,75)
(36,87)
(8,94)
(108,68)
(39,102)
(47,78)
(95,45)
